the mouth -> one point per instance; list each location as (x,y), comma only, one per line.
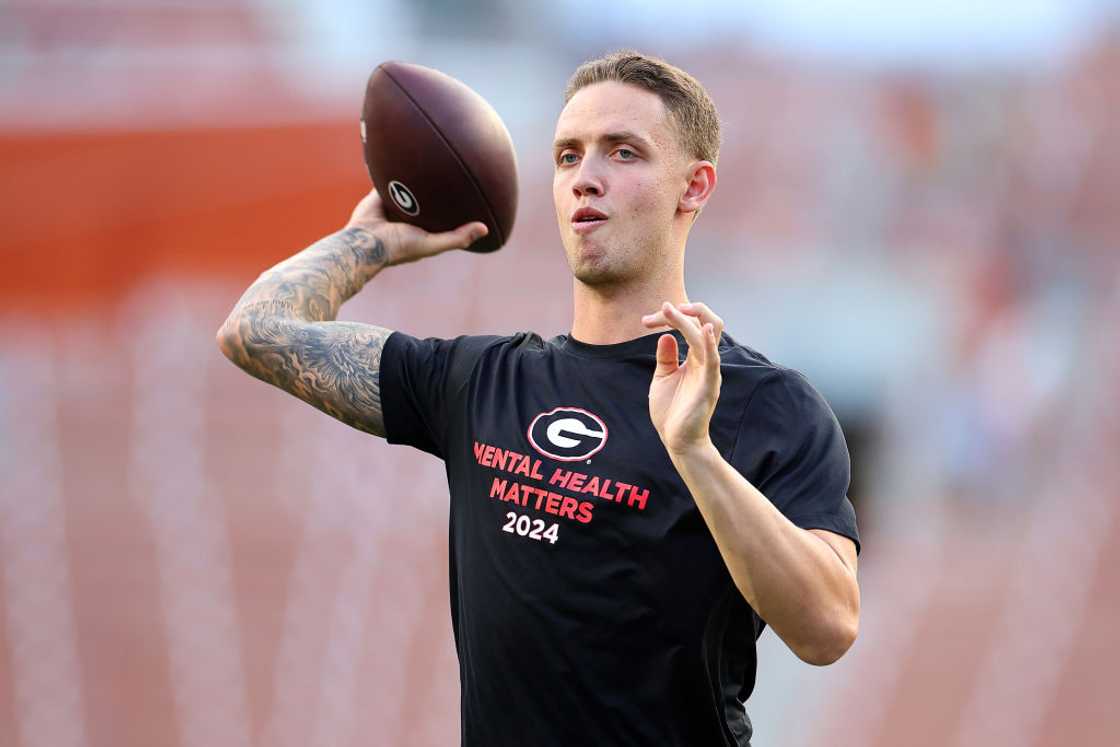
(587,226)
(587,219)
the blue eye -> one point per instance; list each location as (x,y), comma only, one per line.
(620,151)
(566,155)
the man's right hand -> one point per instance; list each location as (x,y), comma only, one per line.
(405,242)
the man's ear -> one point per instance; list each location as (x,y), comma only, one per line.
(701,184)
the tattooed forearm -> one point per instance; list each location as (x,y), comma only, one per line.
(313,284)
(283,331)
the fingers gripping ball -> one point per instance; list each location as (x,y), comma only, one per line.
(438,153)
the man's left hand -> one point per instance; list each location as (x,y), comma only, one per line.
(682,397)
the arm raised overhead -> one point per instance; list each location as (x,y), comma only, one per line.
(283,330)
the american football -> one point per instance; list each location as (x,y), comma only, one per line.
(438,153)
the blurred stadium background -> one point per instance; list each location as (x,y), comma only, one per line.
(917,207)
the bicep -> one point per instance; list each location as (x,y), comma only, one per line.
(333,366)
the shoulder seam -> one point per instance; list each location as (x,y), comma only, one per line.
(497,340)
(746,408)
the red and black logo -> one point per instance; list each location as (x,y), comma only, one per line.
(568,434)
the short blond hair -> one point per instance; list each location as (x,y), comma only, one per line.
(688,104)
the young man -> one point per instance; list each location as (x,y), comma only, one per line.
(622,522)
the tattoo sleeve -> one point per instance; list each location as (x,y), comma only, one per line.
(283,330)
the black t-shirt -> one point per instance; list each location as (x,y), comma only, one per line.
(589,601)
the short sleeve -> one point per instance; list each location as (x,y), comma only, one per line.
(422,386)
(791,448)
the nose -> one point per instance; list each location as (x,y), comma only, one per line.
(589,180)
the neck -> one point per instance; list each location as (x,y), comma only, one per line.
(606,315)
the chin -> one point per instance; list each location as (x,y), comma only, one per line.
(586,266)
(595,276)
(592,264)
(596,271)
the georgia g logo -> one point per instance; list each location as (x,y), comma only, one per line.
(568,434)
(403,198)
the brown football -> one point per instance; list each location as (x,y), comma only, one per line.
(438,153)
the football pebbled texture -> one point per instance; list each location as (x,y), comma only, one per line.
(438,153)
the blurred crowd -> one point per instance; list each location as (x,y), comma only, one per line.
(938,248)
(963,228)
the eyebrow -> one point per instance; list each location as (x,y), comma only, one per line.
(610,137)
